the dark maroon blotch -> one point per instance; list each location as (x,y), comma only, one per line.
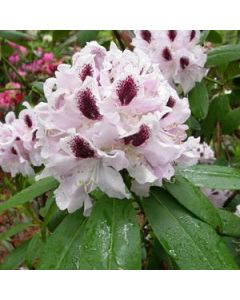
(86,103)
(87,70)
(13,150)
(167,54)
(171,102)
(192,35)
(184,62)
(81,148)
(172,34)
(28,121)
(126,90)
(138,138)
(146,35)
(34,135)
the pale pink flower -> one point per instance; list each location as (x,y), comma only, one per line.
(177,54)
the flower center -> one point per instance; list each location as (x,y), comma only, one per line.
(86,103)
(138,138)
(81,148)
(126,90)
(146,35)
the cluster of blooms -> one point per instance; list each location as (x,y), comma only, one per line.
(46,65)
(12,95)
(18,52)
(206,156)
(177,54)
(17,141)
(109,111)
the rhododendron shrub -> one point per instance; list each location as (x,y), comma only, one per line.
(126,159)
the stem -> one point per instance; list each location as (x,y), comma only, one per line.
(214,81)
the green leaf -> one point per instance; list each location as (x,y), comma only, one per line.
(112,237)
(230,223)
(191,243)
(36,189)
(212,176)
(85,36)
(38,87)
(231,121)
(15,35)
(214,37)
(61,243)
(14,230)
(198,100)
(194,200)
(34,249)
(223,55)
(218,109)
(15,258)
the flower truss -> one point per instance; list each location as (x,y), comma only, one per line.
(107,112)
(177,54)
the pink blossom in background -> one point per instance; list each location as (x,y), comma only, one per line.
(11,97)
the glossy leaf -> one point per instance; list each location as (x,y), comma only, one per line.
(212,176)
(194,200)
(230,223)
(112,238)
(223,54)
(61,243)
(191,243)
(36,189)
(198,100)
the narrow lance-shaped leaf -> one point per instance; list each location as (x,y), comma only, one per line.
(191,243)
(194,200)
(212,176)
(36,189)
